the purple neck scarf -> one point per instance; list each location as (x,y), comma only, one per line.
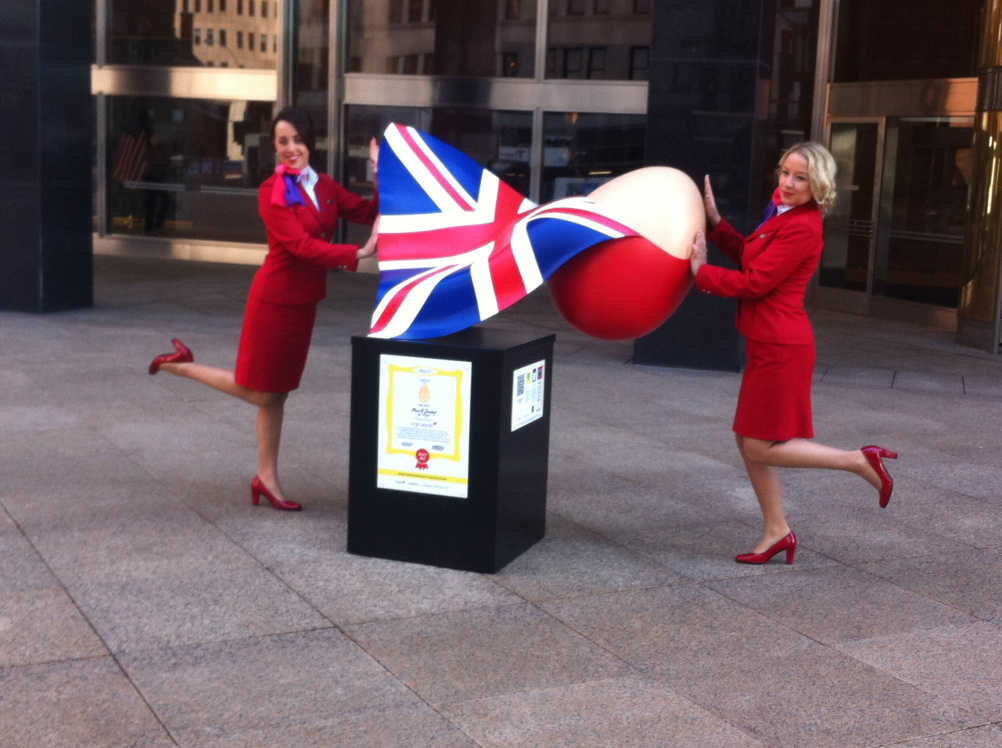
(285,191)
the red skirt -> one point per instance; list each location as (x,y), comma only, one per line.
(274,344)
(775,399)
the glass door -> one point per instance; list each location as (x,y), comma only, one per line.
(923,216)
(845,278)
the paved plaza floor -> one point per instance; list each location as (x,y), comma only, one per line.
(145,602)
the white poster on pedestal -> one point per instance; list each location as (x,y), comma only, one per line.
(424,416)
(527,395)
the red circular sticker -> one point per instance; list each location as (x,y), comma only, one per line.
(422,459)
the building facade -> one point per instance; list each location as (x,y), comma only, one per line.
(558,96)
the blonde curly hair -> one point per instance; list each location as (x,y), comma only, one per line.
(821,172)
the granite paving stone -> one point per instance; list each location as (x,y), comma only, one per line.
(369,728)
(969,580)
(620,505)
(54,459)
(200,606)
(860,533)
(43,625)
(275,538)
(22,567)
(761,676)
(964,520)
(75,703)
(571,561)
(957,663)
(615,713)
(15,418)
(989,386)
(858,376)
(979,480)
(989,736)
(353,589)
(950,384)
(707,552)
(478,653)
(214,691)
(110,506)
(838,604)
(155,546)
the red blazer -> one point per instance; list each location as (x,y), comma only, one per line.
(299,248)
(775,265)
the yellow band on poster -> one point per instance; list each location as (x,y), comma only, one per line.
(423,476)
(393,370)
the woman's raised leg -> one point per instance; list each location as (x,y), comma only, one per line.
(803,453)
(219,379)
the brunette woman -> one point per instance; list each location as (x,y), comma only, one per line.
(300,209)
(773,424)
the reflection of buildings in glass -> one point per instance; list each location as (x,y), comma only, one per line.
(313,54)
(790,102)
(517,38)
(599,40)
(386,37)
(146,32)
(583,151)
(230,33)
(608,39)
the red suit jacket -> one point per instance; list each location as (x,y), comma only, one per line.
(775,265)
(299,248)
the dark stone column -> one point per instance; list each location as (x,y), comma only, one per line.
(46,142)
(709,72)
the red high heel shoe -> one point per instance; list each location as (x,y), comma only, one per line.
(182,356)
(788,544)
(258,488)
(873,455)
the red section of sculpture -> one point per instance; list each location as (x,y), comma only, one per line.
(620,289)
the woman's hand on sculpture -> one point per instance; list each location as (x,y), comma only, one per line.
(698,257)
(369,248)
(710,204)
(374,156)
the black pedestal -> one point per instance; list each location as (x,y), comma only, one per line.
(449,448)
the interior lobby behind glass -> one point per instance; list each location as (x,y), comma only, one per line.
(187,167)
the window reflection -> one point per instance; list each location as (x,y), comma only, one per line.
(598,40)
(583,151)
(791,85)
(485,38)
(187,168)
(314,46)
(902,40)
(498,140)
(312,70)
(192,33)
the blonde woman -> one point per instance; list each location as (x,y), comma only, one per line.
(773,424)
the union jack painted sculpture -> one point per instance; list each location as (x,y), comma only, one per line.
(457,245)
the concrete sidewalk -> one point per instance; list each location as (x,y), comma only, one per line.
(145,602)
